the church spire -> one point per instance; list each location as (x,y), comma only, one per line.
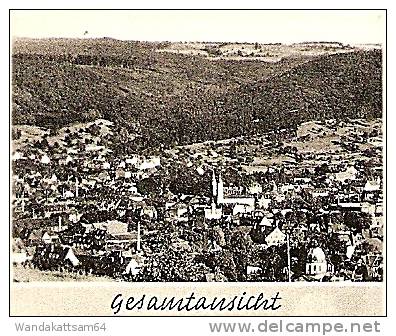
(214,185)
(220,191)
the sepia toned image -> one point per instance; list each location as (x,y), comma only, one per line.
(197,147)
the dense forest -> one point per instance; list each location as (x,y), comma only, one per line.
(181,99)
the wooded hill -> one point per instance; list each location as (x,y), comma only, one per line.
(181,99)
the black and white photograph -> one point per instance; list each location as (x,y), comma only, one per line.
(197,147)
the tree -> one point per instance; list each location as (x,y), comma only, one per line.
(173,265)
(240,247)
(150,186)
(357,221)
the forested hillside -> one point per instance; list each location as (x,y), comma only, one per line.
(179,98)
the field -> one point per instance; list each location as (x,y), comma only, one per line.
(21,274)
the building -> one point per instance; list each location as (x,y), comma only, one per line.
(213,212)
(349,174)
(316,265)
(246,204)
(45,159)
(54,257)
(276,237)
(135,265)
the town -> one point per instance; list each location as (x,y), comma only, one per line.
(303,204)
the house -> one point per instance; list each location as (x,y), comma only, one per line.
(120,242)
(17,156)
(375,141)
(373,185)
(316,264)
(54,257)
(349,206)
(242,209)
(319,192)
(104,176)
(252,270)
(368,208)
(286,188)
(200,170)
(377,226)
(94,148)
(372,190)
(265,225)
(34,237)
(215,277)
(45,159)
(49,238)
(120,172)
(276,237)
(135,265)
(149,211)
(117,235)
(314,227)
(255,189)
(264,203)
(214,247)
(115,227)
(302,180)
(266,222)
(134,160)
(68,194)
(68,159)
(183,212)
(74,216)
(360,272)
(349,174)
(375,266)
(150,163)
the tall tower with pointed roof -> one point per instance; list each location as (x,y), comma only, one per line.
(220,191)
(214,185)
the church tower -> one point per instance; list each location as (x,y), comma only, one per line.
(220,191)
(214,185)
